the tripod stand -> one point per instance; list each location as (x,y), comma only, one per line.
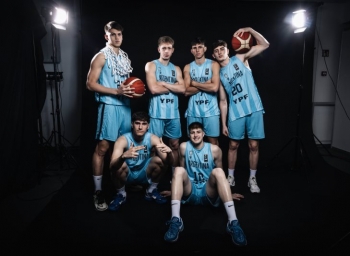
(56,134)
(299,148)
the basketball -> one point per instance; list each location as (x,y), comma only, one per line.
(243,43)
(138,85)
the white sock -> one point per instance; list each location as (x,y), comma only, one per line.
(122,191)
(231,172)
(252,173)
(97,182)
(230,210)
(151,187)
(175,208)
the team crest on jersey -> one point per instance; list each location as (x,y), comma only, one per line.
(159,70)
(205,157)
(173,72)
(190,153)
(193,72)
(207,71)
(226,76)
(145,149)
(236,66)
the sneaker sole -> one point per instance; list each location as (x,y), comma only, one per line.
(228,232)
(252,190)
(101,209)
(150,199)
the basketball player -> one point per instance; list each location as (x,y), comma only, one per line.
(132,163)
(108,69)
(202,81)
(244,109)
(200,180)
(165,82)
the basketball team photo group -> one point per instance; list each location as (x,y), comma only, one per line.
(222,101)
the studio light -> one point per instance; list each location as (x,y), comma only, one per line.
(299,21)
(58,17)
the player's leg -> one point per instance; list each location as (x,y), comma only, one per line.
(119,178)
(211,126)
(154,171)
(255,131)
(180,186)
(217,184)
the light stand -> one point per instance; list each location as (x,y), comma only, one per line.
(57,134)
(299,149)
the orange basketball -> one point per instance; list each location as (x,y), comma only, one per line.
(137,84)
(243,43)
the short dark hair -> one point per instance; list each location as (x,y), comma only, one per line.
(195,125)
(140,116)
(113,24)
(166,39)
(218,43)
(198,40)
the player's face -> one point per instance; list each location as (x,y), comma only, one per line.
(220,53)
(196,136)
(165,50)
(140,127)
(114,37)
(198,51)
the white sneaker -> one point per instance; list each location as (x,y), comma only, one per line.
(231,180)
(253,185)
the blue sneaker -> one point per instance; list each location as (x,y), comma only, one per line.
(175,227)
(118,200)
(155,196)
(236,232)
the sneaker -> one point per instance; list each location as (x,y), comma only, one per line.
(155,196)
(118,200)
(253,185)
(175,227)
(99,201)
(236,232)
(231,180)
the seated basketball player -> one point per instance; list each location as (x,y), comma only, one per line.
(200,180)
(132,163)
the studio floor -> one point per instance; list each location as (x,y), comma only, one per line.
(296,213)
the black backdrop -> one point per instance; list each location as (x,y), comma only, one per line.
(279,74)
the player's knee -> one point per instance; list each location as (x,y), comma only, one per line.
(233,145)
(219,173)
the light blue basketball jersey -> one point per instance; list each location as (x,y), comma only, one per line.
(199,163)
(139,162)
(243,96)
(202,104)
(164,106)
(110,80)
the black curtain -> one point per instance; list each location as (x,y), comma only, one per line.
(22,94)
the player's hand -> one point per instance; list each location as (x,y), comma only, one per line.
(225,131)
(132,152)
(165,193)
(240,32)
(237,196)
(126,90)
(162,147)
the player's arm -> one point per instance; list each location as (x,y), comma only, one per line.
(117,158)
(182,150)
(179,86)
(261,43)
(217,155)
(163,151)
(93,75)
(223,109)
(190,90)
(154,86)
(213,84)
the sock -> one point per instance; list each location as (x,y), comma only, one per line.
(97,182)
(151,187)
(252,173)
(230,210)
(121,191)
(231,172)
(175,208)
